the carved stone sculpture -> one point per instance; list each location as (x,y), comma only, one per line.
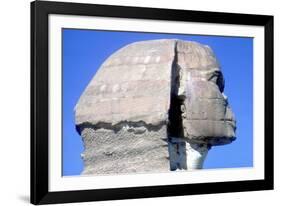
(154,106)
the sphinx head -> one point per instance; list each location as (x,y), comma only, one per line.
(148,96)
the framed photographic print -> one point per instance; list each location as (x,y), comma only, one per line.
(131,102)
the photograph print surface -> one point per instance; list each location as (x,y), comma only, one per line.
(136,102)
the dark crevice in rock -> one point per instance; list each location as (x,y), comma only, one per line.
(177,150)
(175,127)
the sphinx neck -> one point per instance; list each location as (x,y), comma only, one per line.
(195,155)
(185,155)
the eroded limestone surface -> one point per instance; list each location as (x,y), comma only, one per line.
(125,150)
(132,85)
(154,106)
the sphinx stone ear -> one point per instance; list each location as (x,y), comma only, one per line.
(182,108)
(183,111)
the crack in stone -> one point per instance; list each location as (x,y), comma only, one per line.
(175,127)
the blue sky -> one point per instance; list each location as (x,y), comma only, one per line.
(85,50)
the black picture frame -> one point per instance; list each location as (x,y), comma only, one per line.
(40,108)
